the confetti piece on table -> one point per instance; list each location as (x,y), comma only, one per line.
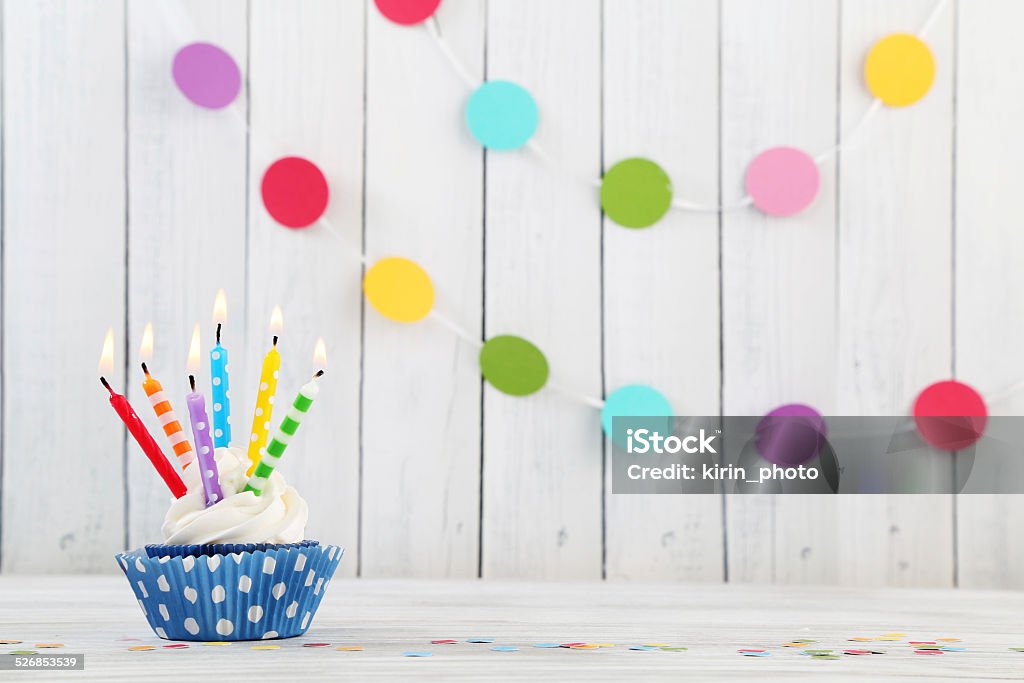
(888,638)
(175,646)
(443,641)
(922,642)
(657,644)
(417,654)
(585,646)
(141,648)
(745,649)
(646,648)
(513,365)
(502,115)
(548,645)
(605,644)
(505,648)
(793,644)
(861,639)
(824,656)
(480,640)
(948,640)
(266,647)
(817,652)
(756,654)
(856,652)
(49,644)
(315,644)
(350,648)
(571,644)
(673,649)
(1017,649)
(928,652)
(803,640)
(9,642)
(953,649)
(894,635)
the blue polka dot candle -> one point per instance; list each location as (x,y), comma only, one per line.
(219,374)
(201,429)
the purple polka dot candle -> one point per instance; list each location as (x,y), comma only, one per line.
(201,429)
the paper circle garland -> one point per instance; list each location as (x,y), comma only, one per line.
(636,193)
(899,69)
(950,415)
(782,181)
(407,12)
(399,289)
(636,400)
(206,75)
(790,435)
(294,192)
(513,365)
(502,115)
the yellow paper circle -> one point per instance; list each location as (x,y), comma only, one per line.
(399,289)
(899,69)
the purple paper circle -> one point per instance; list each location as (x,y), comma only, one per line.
(791,434)
(207,75)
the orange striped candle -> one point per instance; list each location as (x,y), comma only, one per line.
(162,406)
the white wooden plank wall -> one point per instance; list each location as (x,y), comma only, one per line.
(123,203)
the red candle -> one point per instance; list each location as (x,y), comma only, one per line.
(138,430)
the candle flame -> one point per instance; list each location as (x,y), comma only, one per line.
(193,351)
(320,354)
(220,308)
(146,348)
(276,321)
(107,355)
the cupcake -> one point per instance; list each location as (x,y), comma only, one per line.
(239,569)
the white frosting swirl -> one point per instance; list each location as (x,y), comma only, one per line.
(278,515)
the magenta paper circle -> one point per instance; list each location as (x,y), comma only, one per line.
(207,75)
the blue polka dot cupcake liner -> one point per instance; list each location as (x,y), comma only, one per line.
(242,595)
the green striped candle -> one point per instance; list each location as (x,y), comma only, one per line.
(289,425)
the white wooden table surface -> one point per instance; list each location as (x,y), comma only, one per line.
(97,615)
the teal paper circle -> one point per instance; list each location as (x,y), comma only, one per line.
(635,400)
(502,115)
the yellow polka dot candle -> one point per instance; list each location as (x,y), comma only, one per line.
(289,425)
(265,396)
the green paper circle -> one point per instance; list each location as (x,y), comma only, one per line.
(636,193)
(513,365)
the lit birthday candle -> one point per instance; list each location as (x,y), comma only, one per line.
(265,396)
(289,425)
(205,459)
(219,373)
(135,426)
(162,404)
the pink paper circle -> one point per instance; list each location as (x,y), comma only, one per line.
(407,12)
(206,75)
(294,192)
(782,181)
(950,415)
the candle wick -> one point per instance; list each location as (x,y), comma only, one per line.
(106,385)
(319,373)
(192,382)
(145,370)
(218,333)
(275,340)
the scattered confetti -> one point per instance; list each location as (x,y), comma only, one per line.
(793,644)
(647,648)
(744,649)
(548,645)
(10,642)
(315,644)
(817,652)
(954,649)
(861,639)
(1017,649)
(505,648)
(175,646)
(922,642)
(878,652)
(928,652)
(350,648)
(856,652)
(125,640)
(266,647)
(948,640)
(480,640)
(803,641)
(657,644)
(444,641)
(49,644)
(673,649)
(585,646)
(824,656)
(605,644)
(421,654)
(761,653)
(571,644)
(141,648)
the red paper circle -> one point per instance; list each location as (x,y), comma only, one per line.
(950,415)
(294,192)
(407,12)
